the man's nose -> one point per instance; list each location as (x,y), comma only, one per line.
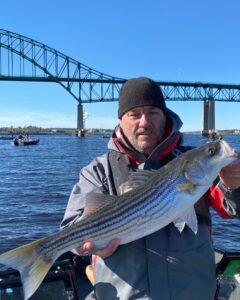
(144,120)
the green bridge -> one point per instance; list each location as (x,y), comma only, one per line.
(24,59)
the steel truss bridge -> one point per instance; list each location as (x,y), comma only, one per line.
(24,59)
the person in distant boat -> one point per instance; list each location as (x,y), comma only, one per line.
(166,264)
(213,136)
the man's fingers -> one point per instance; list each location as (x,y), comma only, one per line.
(230,175)
(109,250)
(85,248)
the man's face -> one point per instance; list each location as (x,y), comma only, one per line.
(144,127)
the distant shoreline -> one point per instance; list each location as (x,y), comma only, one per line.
(32,130)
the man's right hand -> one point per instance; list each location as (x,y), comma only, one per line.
(103,253)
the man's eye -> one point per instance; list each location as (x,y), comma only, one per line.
(134,115)
(153,112)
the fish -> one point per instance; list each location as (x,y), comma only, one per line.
(150,200)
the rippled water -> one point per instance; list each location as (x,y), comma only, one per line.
(36,181)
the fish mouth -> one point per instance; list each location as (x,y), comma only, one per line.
(228,151)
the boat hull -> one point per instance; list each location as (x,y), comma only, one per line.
(21,142)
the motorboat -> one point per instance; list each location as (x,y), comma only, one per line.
(24,141)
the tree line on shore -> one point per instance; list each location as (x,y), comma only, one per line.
(30,130)
(71,131)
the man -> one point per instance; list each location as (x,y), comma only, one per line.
(166,264)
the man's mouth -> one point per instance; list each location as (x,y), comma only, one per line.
(149,132)
(145,135)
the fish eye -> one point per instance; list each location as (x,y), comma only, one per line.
(211,151)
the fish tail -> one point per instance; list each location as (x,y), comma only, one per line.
(30,264)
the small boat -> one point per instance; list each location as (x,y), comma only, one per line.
(214,136)
(24,141)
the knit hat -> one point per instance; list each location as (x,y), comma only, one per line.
(138,92)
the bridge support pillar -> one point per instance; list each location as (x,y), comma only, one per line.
(208,117)
(80,124)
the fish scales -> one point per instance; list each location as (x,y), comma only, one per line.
(116,219)
(115,214)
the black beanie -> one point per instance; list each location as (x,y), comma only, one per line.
(138,92)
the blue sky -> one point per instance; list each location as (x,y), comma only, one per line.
(164,40)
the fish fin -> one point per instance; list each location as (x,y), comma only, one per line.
(30,264)
(136,179)
(187,188)
(188,218)
(124,188)
(94,201)
(179,224)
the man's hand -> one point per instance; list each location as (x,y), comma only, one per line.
(109,250)
(230,175)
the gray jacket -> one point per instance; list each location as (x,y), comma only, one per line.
(165,265)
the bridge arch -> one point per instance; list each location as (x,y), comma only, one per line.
(24,59)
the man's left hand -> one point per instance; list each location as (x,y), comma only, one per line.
(230,175)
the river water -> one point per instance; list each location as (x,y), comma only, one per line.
(36,181)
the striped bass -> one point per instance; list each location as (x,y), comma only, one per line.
(151,200)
